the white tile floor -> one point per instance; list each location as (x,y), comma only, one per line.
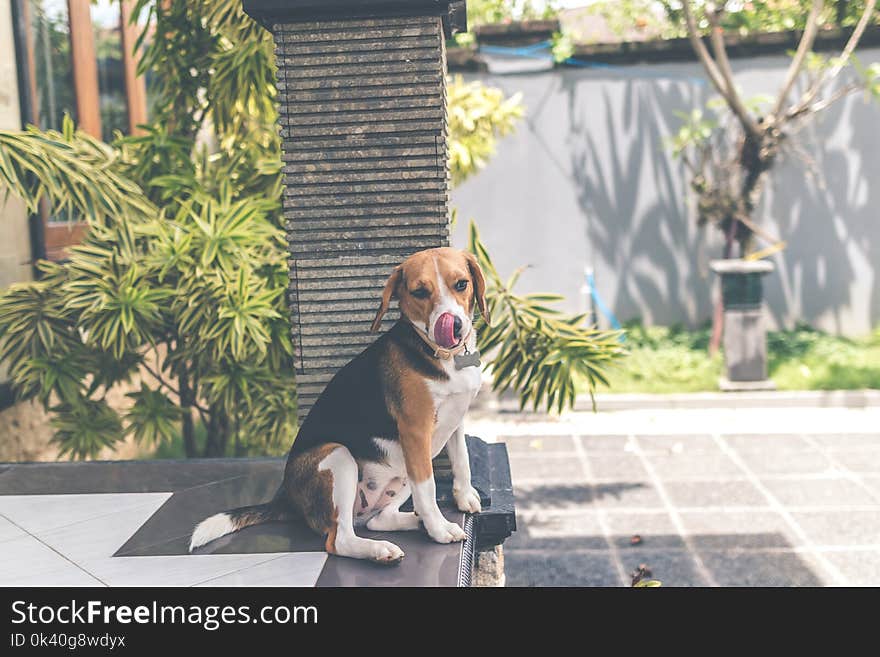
(69,540)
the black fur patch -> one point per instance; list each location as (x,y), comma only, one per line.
(353,409)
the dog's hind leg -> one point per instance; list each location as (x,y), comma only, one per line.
(341,538)
(391,518)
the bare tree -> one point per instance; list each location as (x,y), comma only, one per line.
(729,160)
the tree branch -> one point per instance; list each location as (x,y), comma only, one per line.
(804,47)
(722,80)
(702,53)
(825,103)
(803,104)
(720,50)
(163,382)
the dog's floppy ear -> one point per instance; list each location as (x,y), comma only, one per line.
(388,293)
(479,285)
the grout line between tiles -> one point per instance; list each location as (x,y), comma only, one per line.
(797,476)
(673,513)
(836,576)
(60,554)
(49,530)
(238,570)
(848,474)
(601,519)
(790,549)
(656,510)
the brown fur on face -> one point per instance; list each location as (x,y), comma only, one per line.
(414,284)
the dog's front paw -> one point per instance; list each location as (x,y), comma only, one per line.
(386,553)
(445,532)
(467,499)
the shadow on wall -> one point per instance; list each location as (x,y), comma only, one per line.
(830,270)
(590,167)
(645,249)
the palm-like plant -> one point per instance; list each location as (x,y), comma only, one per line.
(537,350)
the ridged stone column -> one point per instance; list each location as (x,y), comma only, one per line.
(362,91)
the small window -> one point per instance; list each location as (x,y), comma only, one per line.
(51,62)
(77,62)
(111,72)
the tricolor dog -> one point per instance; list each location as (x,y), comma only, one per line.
(368,441)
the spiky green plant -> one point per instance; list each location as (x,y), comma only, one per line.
(537,350)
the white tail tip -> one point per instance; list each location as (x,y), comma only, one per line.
(211,528)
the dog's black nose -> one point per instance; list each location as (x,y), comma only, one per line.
(456,327)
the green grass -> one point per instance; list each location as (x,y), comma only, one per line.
(673,359)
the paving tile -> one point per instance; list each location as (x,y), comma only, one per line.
(28,562)
(100,537)
(767,442)
(624,468)
(546,468)
(288,570)
(132,476)
(718,530)
(692,465)
(831,491)
(538,445)
(40,513)
(859,567)
(713,494)
(169,530)
(872,482)
(426,563)
(604,443)
(678,443)
(786,462)
(9,530)
(755,568)
(655,529)
(848,440)
(560,569)
(835,528)
(673,568)
(557,532)
(531,496)
(628,495)
(859,460)
(178,570)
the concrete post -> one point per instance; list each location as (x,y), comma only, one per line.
(362,91)
(745,335)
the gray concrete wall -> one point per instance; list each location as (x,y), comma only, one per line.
(587,181)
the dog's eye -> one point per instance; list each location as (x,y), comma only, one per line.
(421,293)
(461,286)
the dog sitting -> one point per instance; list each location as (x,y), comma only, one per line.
(366,445)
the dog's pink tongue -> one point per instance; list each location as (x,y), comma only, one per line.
(444,331)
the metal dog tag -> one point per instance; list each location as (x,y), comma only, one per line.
(467,360)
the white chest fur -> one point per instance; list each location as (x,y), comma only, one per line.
(451,401)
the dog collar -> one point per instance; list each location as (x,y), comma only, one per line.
(441,352)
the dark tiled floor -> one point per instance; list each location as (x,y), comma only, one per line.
(128,523)
(719,510)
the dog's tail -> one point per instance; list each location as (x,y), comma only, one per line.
(235,520)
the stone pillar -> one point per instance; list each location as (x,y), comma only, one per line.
(362,94)
(745,336)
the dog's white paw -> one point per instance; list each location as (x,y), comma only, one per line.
(446,532)
(385,552)
(467,499)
